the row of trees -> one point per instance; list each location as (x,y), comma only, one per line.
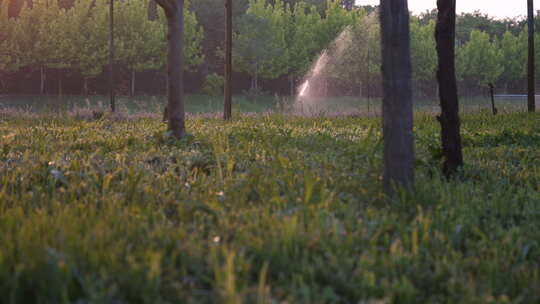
(45,36)
(271,40)
(275,40)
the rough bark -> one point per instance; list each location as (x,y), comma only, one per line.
(446,76)
(531,103)
(174,11)
(398,136)
(227,111)
(111,56)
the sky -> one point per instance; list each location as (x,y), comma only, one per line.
(494,8)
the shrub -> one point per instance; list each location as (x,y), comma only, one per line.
(213,85)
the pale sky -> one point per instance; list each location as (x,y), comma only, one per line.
(495,8)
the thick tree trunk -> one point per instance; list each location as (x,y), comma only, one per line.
(174,10)
(531,104)
(227,111)
(398,136)
(42,77)
(446,76)
(111,55)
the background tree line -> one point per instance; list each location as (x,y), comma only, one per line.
(62,46)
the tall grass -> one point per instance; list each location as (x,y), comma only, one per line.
(264,209)
(196,104)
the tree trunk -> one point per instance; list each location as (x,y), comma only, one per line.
(132,83)
(446,76)
(227,111)
(492,95)
(531,104)
(174,11)
(111,55)
(42,76)
(398,136)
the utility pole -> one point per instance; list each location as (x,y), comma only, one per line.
(227,111)
(531,104)
(111,54)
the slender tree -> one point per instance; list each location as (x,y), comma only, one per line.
(174,12)
(397,96)
(531,89)
(228,61)
(111,55)
(445,33)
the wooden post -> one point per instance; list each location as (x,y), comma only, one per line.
(492,94)
(531,104)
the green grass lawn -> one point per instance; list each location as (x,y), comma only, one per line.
(137,104)
(266,209)
(196,103)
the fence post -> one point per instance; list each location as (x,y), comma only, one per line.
(491,93)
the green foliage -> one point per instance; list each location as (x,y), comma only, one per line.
(86,36)
(36,32)
(512,51)
(335,20)
(7,39)
(358,58)
(260,46)
(45,35)
(141,43)
(423,55)
(266,209)
(213,85)
(272,39)
(302,43)
(480,60)
(193,36)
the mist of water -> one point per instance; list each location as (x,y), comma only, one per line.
(308,99)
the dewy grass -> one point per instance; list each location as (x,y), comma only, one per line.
(264,209)
(199,104)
